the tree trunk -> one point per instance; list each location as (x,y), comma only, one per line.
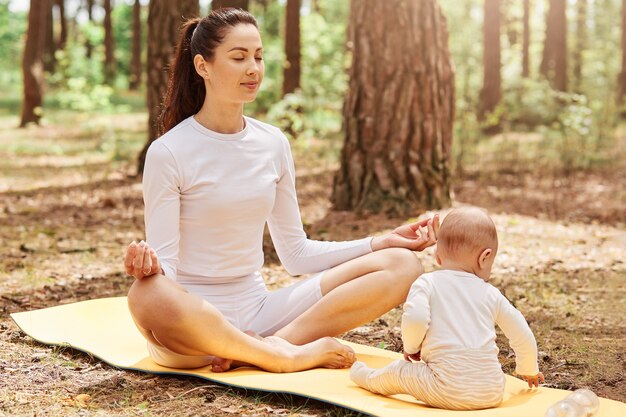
(291,73)
(398,111)
(621,96)
(164,21)
(526,41)
(88,45)
(239,4)
(581,43)
(109,55)
(49,61)
(63,21)
(491,92)
(135,71)
(554,62)
(32,62)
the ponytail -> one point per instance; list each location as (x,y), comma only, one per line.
(185,88)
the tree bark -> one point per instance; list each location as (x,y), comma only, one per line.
(526,40)
(164,21)
(398,111)
(291,71)
(239,4)
(581,43)
(491,92)
(135,71)
(621,96)
(32,62)
(109,54)
(554,62)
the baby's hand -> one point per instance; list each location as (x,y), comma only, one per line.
(414,357)
(533,380)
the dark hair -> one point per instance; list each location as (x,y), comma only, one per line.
(185,87)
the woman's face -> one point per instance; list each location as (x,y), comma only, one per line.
(237,70)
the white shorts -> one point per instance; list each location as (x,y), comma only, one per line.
(248,305)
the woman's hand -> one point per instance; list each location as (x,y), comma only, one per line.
(140,260)
(415,236)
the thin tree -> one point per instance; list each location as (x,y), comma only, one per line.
(580,44)
(164,20)
(491,93)
(554,61)
(135,65)
(239,4)
(291,71)
(526,40)
(621,96)
(32,62)
(62,41)
(49,61)
(88,45)
(399,109)
(109,54)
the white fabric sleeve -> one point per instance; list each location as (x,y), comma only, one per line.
(521,338)
(297,253)
(416,316)
(161,196)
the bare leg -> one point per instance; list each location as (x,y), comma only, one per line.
(355,293)
(168,315)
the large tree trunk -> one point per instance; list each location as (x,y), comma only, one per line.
(554,62)
(109,55)
(32,62)
(526,40)
(491,92)
(164,21)
(291,73)
(239,4)
(398,111)
(135,70)
(88,45)
(621,96)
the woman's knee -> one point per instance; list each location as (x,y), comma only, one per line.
(402,264)
(151,295)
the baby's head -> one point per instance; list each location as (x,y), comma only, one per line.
(467,240)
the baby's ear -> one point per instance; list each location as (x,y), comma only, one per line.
(484,257)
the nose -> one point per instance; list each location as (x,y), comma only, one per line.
(254,68)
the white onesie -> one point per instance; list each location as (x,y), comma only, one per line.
(207,199)
(449,317)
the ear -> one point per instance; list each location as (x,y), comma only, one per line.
(437,257)
(202,67)
(483,257)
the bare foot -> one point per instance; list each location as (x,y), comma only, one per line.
(322,353)
(223,365)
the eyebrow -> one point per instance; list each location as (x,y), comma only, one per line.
(240,48)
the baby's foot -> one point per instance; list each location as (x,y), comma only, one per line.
(359,374)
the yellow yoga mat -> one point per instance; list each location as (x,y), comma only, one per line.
(104,329)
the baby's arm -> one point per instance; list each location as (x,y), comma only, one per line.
(416,316)
(521,339)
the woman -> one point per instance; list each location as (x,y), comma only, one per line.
(211,182)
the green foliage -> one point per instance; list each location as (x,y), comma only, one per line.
(12,29)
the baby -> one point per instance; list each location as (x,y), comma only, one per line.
(448,322)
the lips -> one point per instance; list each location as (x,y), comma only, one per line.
(250,85)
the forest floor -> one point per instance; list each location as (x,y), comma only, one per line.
(69,205)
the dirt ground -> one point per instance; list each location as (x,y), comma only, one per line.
(67,212)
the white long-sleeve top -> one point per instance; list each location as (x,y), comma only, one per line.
(209,195)
(453,309)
